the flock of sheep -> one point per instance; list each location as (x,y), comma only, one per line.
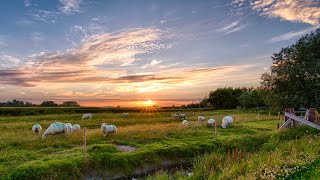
(226,121)
(64,128)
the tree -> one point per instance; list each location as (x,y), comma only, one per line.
(70,103)
(248,99)
(225,98)
(295,74)
(48,104)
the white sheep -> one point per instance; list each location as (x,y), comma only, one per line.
(36,128)
(185,123)
(87,116)
(182,116)
(75,127)
(226,121)
(108,129)
(69,127)
(125,115)
(55,128)
(201,118)
(211,122)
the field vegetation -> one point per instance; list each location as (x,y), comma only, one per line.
(158,138)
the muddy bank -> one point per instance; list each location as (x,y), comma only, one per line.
(148,169)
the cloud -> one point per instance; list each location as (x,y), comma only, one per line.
(290,35)
(69,7)
(24,21)
(27,3)
(43,15)
(3,44)
(80,63)
(151,64)
(306,11)
(97,25)
(7,61)
(231,27)
(37,37)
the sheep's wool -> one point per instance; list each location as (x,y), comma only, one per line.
(55,128)
(75,127)
(36,128)
(226,121)
(211,122)
(185,122)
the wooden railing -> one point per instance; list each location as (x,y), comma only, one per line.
(299,119)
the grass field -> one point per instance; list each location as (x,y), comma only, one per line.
(242,149)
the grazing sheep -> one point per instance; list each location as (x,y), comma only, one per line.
(182,116)
(211,122)
(55,128)
(108,129)
(69,127)
(185,123)
(125,115)
(201,118)
(36,128)
(226,121)
(87,116)
(75,127)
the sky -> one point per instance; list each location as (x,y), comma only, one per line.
(125,52)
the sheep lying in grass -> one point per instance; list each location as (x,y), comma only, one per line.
(55,128)
(75,127)
(185,123)
(211,122)
(226,121)
(69,127)
(105,129)
(201,118)
(125,115)
(36,128)
(87,116)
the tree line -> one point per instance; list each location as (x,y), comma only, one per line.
(293,81)
(18,103)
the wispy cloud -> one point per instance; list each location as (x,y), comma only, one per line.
(7,61)
(117,49)
(24,21)
(291,35)
(3,43)
(37,37)
(27,3)
(69,6)
(43,15)
(231,27)
(151,64)
(306,11)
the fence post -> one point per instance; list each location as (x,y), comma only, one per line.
(84,144)
(215,129)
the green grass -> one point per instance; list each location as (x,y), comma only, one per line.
(157,137)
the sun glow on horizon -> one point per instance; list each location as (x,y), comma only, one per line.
(148,103)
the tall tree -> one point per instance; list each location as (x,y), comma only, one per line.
(295,74)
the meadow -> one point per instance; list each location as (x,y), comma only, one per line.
(251,147)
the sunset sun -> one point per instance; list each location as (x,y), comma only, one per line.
(149,103)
